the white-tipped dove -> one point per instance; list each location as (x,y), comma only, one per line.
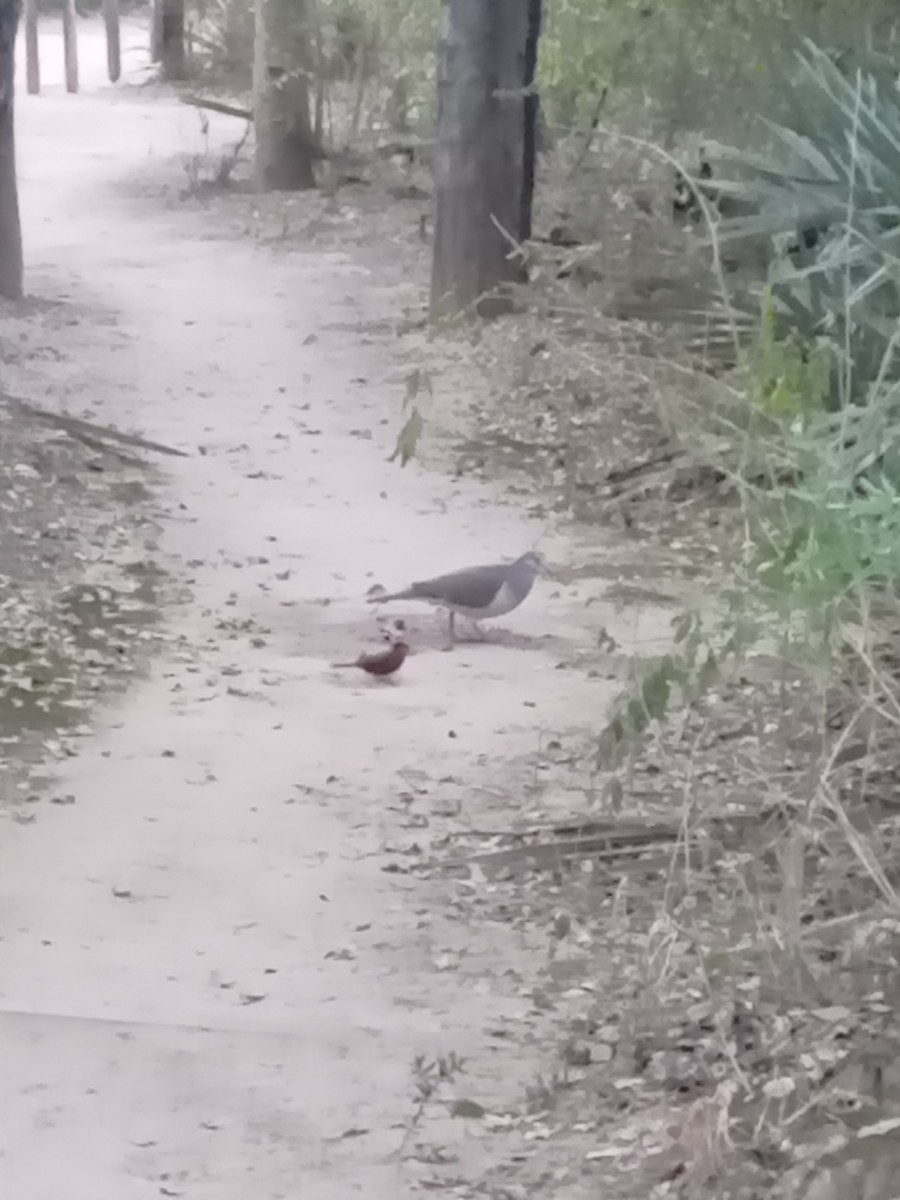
(475,592)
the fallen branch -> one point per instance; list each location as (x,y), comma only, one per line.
(78,428)
(230,110)
(616,832)
(92,443)
(610,843)
(623,474)
(547,855)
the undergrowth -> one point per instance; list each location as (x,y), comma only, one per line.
(809,454)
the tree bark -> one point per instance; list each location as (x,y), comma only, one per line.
(172,40)
(11,275)
(481,152)
(32,51)
(113,40)
(70,45)
(156,24)
(530,115)
(285,145)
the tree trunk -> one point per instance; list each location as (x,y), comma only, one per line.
(285,146)
(156,25)
(481,151)
(113,40)
(10,226)
(532,108)
(32,51)
(172,40)
(70,45)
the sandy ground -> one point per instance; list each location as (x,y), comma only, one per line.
(216,972)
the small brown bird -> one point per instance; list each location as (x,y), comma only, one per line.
(380,664)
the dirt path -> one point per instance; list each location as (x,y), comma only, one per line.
(211,985)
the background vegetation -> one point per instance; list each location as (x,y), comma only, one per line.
(709,352)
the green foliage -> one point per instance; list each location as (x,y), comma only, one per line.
(825,531)
(816,453)
(792,377)
(822,545)
(705,651)
(686,64)
(826,534)
(373,65)
(387,52)
(833,175)
(645,700)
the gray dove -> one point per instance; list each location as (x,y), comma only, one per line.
(475,592)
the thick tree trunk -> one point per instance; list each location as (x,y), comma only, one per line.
(113,40)
(70,45)
(10,226)
(32,52)
(285,146)
(481,152)
(172,53)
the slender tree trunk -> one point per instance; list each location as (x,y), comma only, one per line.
(285,146)
(11,281)
(480,159)
(156,28)
(32,51)
(70,45)
(113,40)
(532,108)
(321,76)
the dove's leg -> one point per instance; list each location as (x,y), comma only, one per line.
(473,632)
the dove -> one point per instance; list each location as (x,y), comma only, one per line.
(474,592)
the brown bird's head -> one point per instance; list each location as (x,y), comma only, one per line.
(395,632)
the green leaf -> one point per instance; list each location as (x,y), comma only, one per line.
(657,688)
(408,438)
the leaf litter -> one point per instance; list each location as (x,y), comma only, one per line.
(79,589)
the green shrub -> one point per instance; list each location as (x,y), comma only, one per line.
(831,178)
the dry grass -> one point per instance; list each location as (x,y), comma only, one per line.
(725,1019)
